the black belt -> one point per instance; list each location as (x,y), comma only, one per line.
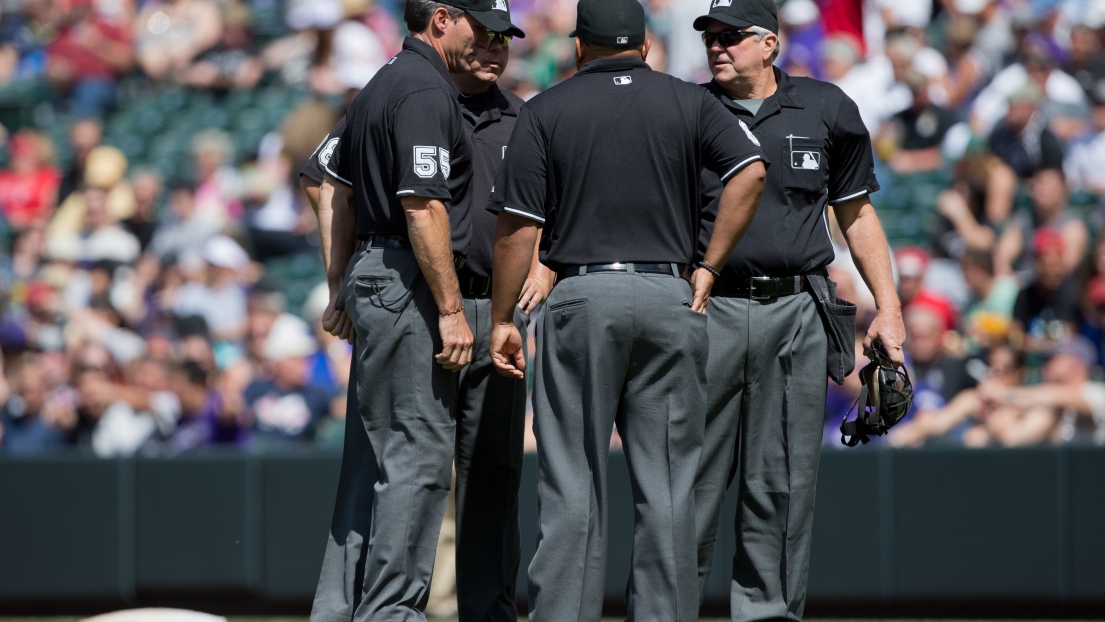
(472,286)
(757,287)
(672,269)
(384,241)
(394,241)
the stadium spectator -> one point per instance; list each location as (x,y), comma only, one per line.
(949,423)
(183,230)
(913,265)
(143,223)
(283,407)
(29,187)
(1086,63)
(170,34)
(217,184)
(108,425)
(86,60)
(230,64)
(917,132)
(1051,211)
(23,40)
(26,426)
(201,421)
(1085,162)
(1067,408)
(968,67)
(988,314)
(215,292)
(84,136)
(1022,140)
(937,377)
(1046,310)
(105,169)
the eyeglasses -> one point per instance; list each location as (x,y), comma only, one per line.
(503,38)
(725,37)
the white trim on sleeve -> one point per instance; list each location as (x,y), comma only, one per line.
(518,212)
(737,168)
(849,197)
(336,176)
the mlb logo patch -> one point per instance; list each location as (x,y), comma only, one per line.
(623,80)
(809,160)
(623,40)
(500,5)
(718,3)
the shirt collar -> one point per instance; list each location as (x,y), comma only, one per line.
(424,50)
(613,64)
(498,106)
(785,91)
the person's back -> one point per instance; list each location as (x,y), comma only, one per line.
(624,150)
(608,162)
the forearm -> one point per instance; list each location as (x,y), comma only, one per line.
(341,232)
(515,239)
(538,270)
(1046,396)
(870,251)
(323,214)
(736,208)
(428,228)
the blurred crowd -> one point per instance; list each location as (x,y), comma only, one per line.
(161,294)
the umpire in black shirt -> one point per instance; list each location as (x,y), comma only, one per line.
(769,347)
(399,179)
(608,164)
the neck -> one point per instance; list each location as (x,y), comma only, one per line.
(759,85)
(599,55)
(471,86)
(435,43)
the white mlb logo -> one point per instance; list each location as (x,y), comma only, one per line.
(623,40)
(623,80)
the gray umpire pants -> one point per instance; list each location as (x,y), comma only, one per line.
(339,584)
(489,414)
(624,349)
(766,413)
(491,420)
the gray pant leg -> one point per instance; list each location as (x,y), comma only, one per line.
(339,584)
(587,361)
(780,442)
(407,404)
(661,421)
(583,353)
(491,412)
(727,327)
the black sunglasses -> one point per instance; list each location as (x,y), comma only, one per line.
(725,37)
(503,38)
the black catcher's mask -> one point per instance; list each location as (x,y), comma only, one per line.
(883,401)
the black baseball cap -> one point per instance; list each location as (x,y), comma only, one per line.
(742,14)
(494,15)
(610,23)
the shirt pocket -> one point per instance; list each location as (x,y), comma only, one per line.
(805,169)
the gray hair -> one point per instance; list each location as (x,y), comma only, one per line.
(417,13)
(762,32)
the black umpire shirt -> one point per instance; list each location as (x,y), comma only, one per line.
(609,162)
(821,152)
(314,168)
(490,118)
(405,137)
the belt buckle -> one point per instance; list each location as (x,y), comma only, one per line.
(472,286)
(765,280)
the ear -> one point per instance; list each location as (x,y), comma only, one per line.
(770,42)
(579,51)
(645,47)
(440,21)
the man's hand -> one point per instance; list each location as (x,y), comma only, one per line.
(335,321)
(702,281)
(456,339)
(534,292)
(889,328)
(506,351)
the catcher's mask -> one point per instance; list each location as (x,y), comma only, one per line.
(883,401)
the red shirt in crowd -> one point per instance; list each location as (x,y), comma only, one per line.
(28,198)
(80,47)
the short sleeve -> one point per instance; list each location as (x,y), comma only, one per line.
(728,145)
(423,131)
(851,161)
(520,187)
(324,153)
(339,163)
